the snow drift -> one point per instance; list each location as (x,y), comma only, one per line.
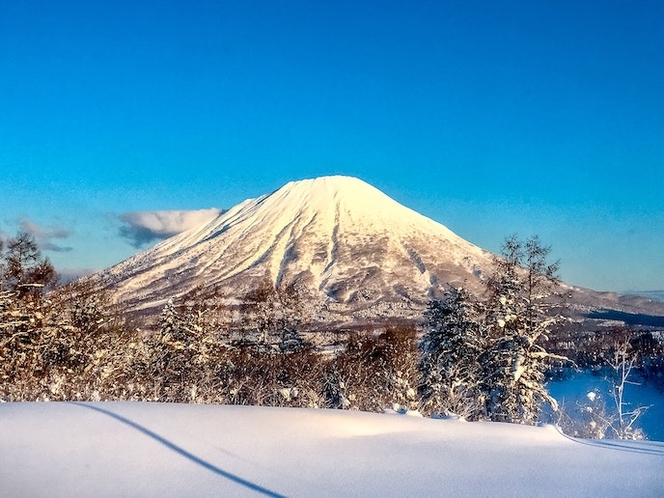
(164,450)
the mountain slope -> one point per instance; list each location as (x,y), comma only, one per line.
(345,242)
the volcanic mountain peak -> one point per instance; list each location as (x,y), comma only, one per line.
(343,203)
(340,238)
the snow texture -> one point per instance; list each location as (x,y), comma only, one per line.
(164,450)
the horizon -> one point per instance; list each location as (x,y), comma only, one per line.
(124,123)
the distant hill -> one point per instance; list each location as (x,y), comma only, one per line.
(654,295)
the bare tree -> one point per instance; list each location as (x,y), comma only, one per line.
(621,364)
(604,414)
(25,270)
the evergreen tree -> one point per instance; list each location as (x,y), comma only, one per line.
(450,372)
(172,352)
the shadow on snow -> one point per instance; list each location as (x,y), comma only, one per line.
(182,451)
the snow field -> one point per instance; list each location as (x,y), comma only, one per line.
(153,449)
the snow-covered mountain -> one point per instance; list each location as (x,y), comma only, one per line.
(349,245)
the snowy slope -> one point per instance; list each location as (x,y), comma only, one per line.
(166,450)
(342,239)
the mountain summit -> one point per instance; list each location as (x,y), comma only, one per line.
(346,243)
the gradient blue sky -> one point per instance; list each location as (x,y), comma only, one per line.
(490,117)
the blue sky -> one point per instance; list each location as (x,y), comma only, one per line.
(492,118)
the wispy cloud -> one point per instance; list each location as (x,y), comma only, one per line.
(45,236)
(143,227)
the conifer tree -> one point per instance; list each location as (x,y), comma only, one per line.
(172,352)
(453,340)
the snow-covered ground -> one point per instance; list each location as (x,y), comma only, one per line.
(152,449)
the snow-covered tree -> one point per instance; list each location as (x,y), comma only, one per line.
(401,367)
(587,418)
(375,370)
(61,346)
(24,268)
(450,347)
(621,363)
(604,413)
(17,345)
(272,319)
(517,319)
(176,356)
(351,379)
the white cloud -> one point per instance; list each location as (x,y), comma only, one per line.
(143,227)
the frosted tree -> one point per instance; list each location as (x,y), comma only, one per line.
(272,362)
(518,318)
(24,274)
(401,366)
(355,378)
(605,413)
(290,316)
(272,319)
(173,356)
(24,269)
(450,346)
(621,364)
